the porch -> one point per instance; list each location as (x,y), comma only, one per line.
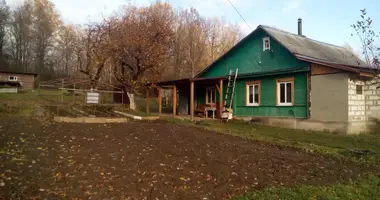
(189,96)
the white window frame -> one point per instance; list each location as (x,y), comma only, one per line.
(264,47)
(213,95)
(247,86)
(279,82)
(15,78)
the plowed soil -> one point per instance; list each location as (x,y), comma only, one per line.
(147,160)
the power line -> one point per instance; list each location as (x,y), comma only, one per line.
(240,14)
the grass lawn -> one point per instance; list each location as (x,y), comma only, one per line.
(341,146)
(366,188)
(311,141)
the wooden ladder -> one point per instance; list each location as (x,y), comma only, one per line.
(228,99)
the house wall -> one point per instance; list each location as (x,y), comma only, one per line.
(183,100)
(372,101)
(356,108)
(249,57)
(362,108)
(356,102)
(329,97)
(268,105)
(27,81)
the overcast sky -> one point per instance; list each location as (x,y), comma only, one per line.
(324,20)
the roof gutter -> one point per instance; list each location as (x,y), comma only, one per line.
(276,72)
(333,65)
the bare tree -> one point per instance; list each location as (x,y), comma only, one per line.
(368,39)
(196,40)
(141,41)
(45,25)
(92,52)
(369,42)
(20,36)
(4,18)
(349,48)
(65,45)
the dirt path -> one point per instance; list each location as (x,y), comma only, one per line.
(146,160)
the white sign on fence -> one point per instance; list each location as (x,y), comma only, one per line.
(92,97)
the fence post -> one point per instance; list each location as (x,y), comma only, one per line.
(74,93)
(62,85)
(122,98)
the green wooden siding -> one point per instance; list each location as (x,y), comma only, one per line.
(249,57)
(268,105)
(200,93)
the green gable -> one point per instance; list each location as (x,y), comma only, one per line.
(267,67)
(248,56)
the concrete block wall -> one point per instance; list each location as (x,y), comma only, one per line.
(356,102)
(362,108)
(372,101)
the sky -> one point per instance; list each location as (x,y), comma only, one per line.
(324,20)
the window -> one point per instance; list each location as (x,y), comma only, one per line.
(359,89)
(210,95)
(12,78)
(266,43)
(253,93)
(285,92)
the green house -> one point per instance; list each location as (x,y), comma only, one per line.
(281,75)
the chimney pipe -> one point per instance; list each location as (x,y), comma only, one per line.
(299,26)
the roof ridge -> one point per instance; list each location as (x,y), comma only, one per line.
(287,32)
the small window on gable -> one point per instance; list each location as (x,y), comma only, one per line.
(266,43)
(12,78)
(359,89)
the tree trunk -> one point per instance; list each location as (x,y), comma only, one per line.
(132,104)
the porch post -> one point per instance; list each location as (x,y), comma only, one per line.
(159,100)
(192,99)
(174,100)
(147,99)
(221,98)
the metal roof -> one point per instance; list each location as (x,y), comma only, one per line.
(301,45)
(14,72)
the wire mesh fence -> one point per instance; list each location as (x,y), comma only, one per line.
(77,97)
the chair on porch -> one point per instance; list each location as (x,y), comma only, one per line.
(203,109)
(200,109)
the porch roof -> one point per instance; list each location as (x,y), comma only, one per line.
(214,79)
(187,81)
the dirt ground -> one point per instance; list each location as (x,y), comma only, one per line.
(147,160)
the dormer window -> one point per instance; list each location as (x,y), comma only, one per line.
(266,43)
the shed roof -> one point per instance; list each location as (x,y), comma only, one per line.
(301,45)
(13,72)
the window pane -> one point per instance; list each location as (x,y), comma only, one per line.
(288,92)
(214,99)
(282,93)
(250,89)
(256,94)
(209,96)
(359,89)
